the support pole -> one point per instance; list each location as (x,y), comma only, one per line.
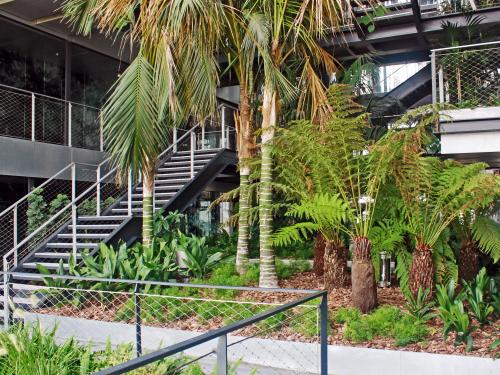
(324,334)
(191,153)
(433,77)
(33,138)
(70,138)
(223,126)
(73,209)
(101,133)
(15,234)
(98,192)
(138,329)
(129,193)
(222,355)
(6,292)
(174,140)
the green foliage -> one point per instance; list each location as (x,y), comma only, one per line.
(167,226)
(285,271)
(476,294)
(486,232)
(58,203)
(37,210)
(452,313)
(197,260)
(89,206)
(386,321)
(368,19)
(420,306)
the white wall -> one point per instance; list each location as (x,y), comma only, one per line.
(460,143)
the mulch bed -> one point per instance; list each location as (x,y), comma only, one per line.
(434,343)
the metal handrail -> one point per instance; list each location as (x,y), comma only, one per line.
(465,46)
(221,334)
(47,96)
(33,191)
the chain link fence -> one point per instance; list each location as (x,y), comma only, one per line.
(41,118)
(467,76)
(248,330)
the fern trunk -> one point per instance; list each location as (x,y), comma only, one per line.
(246,149)
(147,207)
(422,269)
(319,255)
(364,287)
(268,277)
(335,265)
(468,260)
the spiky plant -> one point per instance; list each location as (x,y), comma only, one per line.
(434,192)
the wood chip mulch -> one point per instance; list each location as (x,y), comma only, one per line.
(434,343)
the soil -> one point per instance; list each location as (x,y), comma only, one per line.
(434,343)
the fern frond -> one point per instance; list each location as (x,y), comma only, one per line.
(486,232)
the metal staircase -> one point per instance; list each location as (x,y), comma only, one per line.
(98,209)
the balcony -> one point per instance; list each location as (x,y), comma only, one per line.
(468,77)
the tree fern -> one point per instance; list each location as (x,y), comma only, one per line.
(487,234)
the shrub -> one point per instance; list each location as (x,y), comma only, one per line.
(476,294)
(386,321)
(37,210)
(420,306)
(285,271)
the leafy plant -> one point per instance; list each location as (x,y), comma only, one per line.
(59,202)
(420,306)
(36,212)
(452,313)
(476,296)
(197,260)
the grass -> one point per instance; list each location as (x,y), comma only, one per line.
(386,321)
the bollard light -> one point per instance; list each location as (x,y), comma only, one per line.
(385,270)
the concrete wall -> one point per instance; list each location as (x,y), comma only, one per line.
(19,157)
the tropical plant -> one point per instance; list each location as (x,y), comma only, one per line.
(329,170)
(452,313)
(166,227)
(195,256)
(173,76)
(420,306)
(289,43)
(434,192)
(36,212)
(476,295)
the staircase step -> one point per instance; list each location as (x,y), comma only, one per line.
(139,195)
(47,255)
(69,245)
(167,184)
(166,169)
(163,187)
(184,163)
(139,203)
(49,266)
(102,218)
(134,210)
(95,226)
(205,151)
(83,235)
(186,174)
(170,180)
(196,157)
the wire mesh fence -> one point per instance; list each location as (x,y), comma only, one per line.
(41,118)
(468,76)
(249,330)
(431,8)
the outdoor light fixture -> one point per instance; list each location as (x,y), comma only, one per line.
(385,270)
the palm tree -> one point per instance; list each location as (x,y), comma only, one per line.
(173,76)
(434,192)
(332,164)
(290,39)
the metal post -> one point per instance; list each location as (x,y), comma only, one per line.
(70,139)
(138,330)
(73,208)
(203,135)
(222,355)
(441,84)
(174,141)
(324,334)
(98,191)
(223,125)
(129,193)
(33,117)
(193,142)
(6,293)
(101,133)
(433,77)
(16,234)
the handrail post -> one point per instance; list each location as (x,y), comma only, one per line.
(174,141)
(101,133)
(98,191)
(70,138)
(223,126)
(203,135)
(433,77)
(73,209)
(33,137)
(138,328)
(441,84)
(6,293)
(129,193)
(324,334)
(222,355)
(191,154)
(16,234)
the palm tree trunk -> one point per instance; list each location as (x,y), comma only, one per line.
(335,261)
(422,269)
(148,178)
(246,148)
(319,255)
(268,277)
(364,288)
(468,260)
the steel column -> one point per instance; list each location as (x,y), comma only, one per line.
(73,209)
(324,334)
(191,153)
(98,191)
(222,355)
(33,138)
(433,77)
